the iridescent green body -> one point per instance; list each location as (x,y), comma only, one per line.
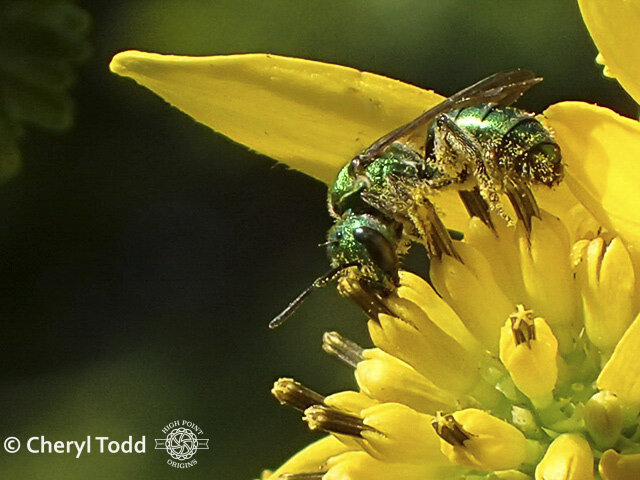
(511,147)
(346,193)
(474,143)
(353,202)
(519,146)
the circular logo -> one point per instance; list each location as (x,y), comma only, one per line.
(182,442)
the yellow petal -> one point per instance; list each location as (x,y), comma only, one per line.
(601,150)
(621,374)
(311,458)
(310,115)
(614,28)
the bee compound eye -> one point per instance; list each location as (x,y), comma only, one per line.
(380,250)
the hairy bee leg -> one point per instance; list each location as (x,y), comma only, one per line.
(524,203)
(452,144)
(455,151)
(477,206)
(370,302)
(432,231)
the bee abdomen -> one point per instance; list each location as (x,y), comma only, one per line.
(521,144)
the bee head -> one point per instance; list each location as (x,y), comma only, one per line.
(359,245)
(368,242)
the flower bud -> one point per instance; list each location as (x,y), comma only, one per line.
(614,466)
(384,377)
(569,457)
(476,439)
(429,350)
(397,434)
(350,401)
(470,288)
(548,279)
(528,350)
(603,418)
(509,475)
(607,280)
(312,457)
(620,374)
(360,465)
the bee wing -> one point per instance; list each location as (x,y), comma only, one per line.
(501,88)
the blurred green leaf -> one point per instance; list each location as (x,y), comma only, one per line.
(41,42)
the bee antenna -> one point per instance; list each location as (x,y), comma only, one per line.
(327,243)
(319,282)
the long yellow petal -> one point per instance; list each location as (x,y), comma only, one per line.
(601,149)
(312,116)
(613,25)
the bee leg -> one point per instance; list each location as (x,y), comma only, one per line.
(477,206)
(453,149)
(370,301)
(487,185)
(523,201)
(456,153)
(432,231)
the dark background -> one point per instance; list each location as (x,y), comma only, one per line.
(143,255)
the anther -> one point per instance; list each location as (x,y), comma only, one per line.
(332,420)
(449,429)
(344,349)
(293,394)
(522,326)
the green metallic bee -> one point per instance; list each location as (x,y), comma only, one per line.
(472,142)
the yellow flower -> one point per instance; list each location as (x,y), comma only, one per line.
(520,359)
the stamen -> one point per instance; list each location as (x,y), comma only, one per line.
(293,394)
(369,302)
(450,430)
(332,420)
(522,326)
(344,349)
